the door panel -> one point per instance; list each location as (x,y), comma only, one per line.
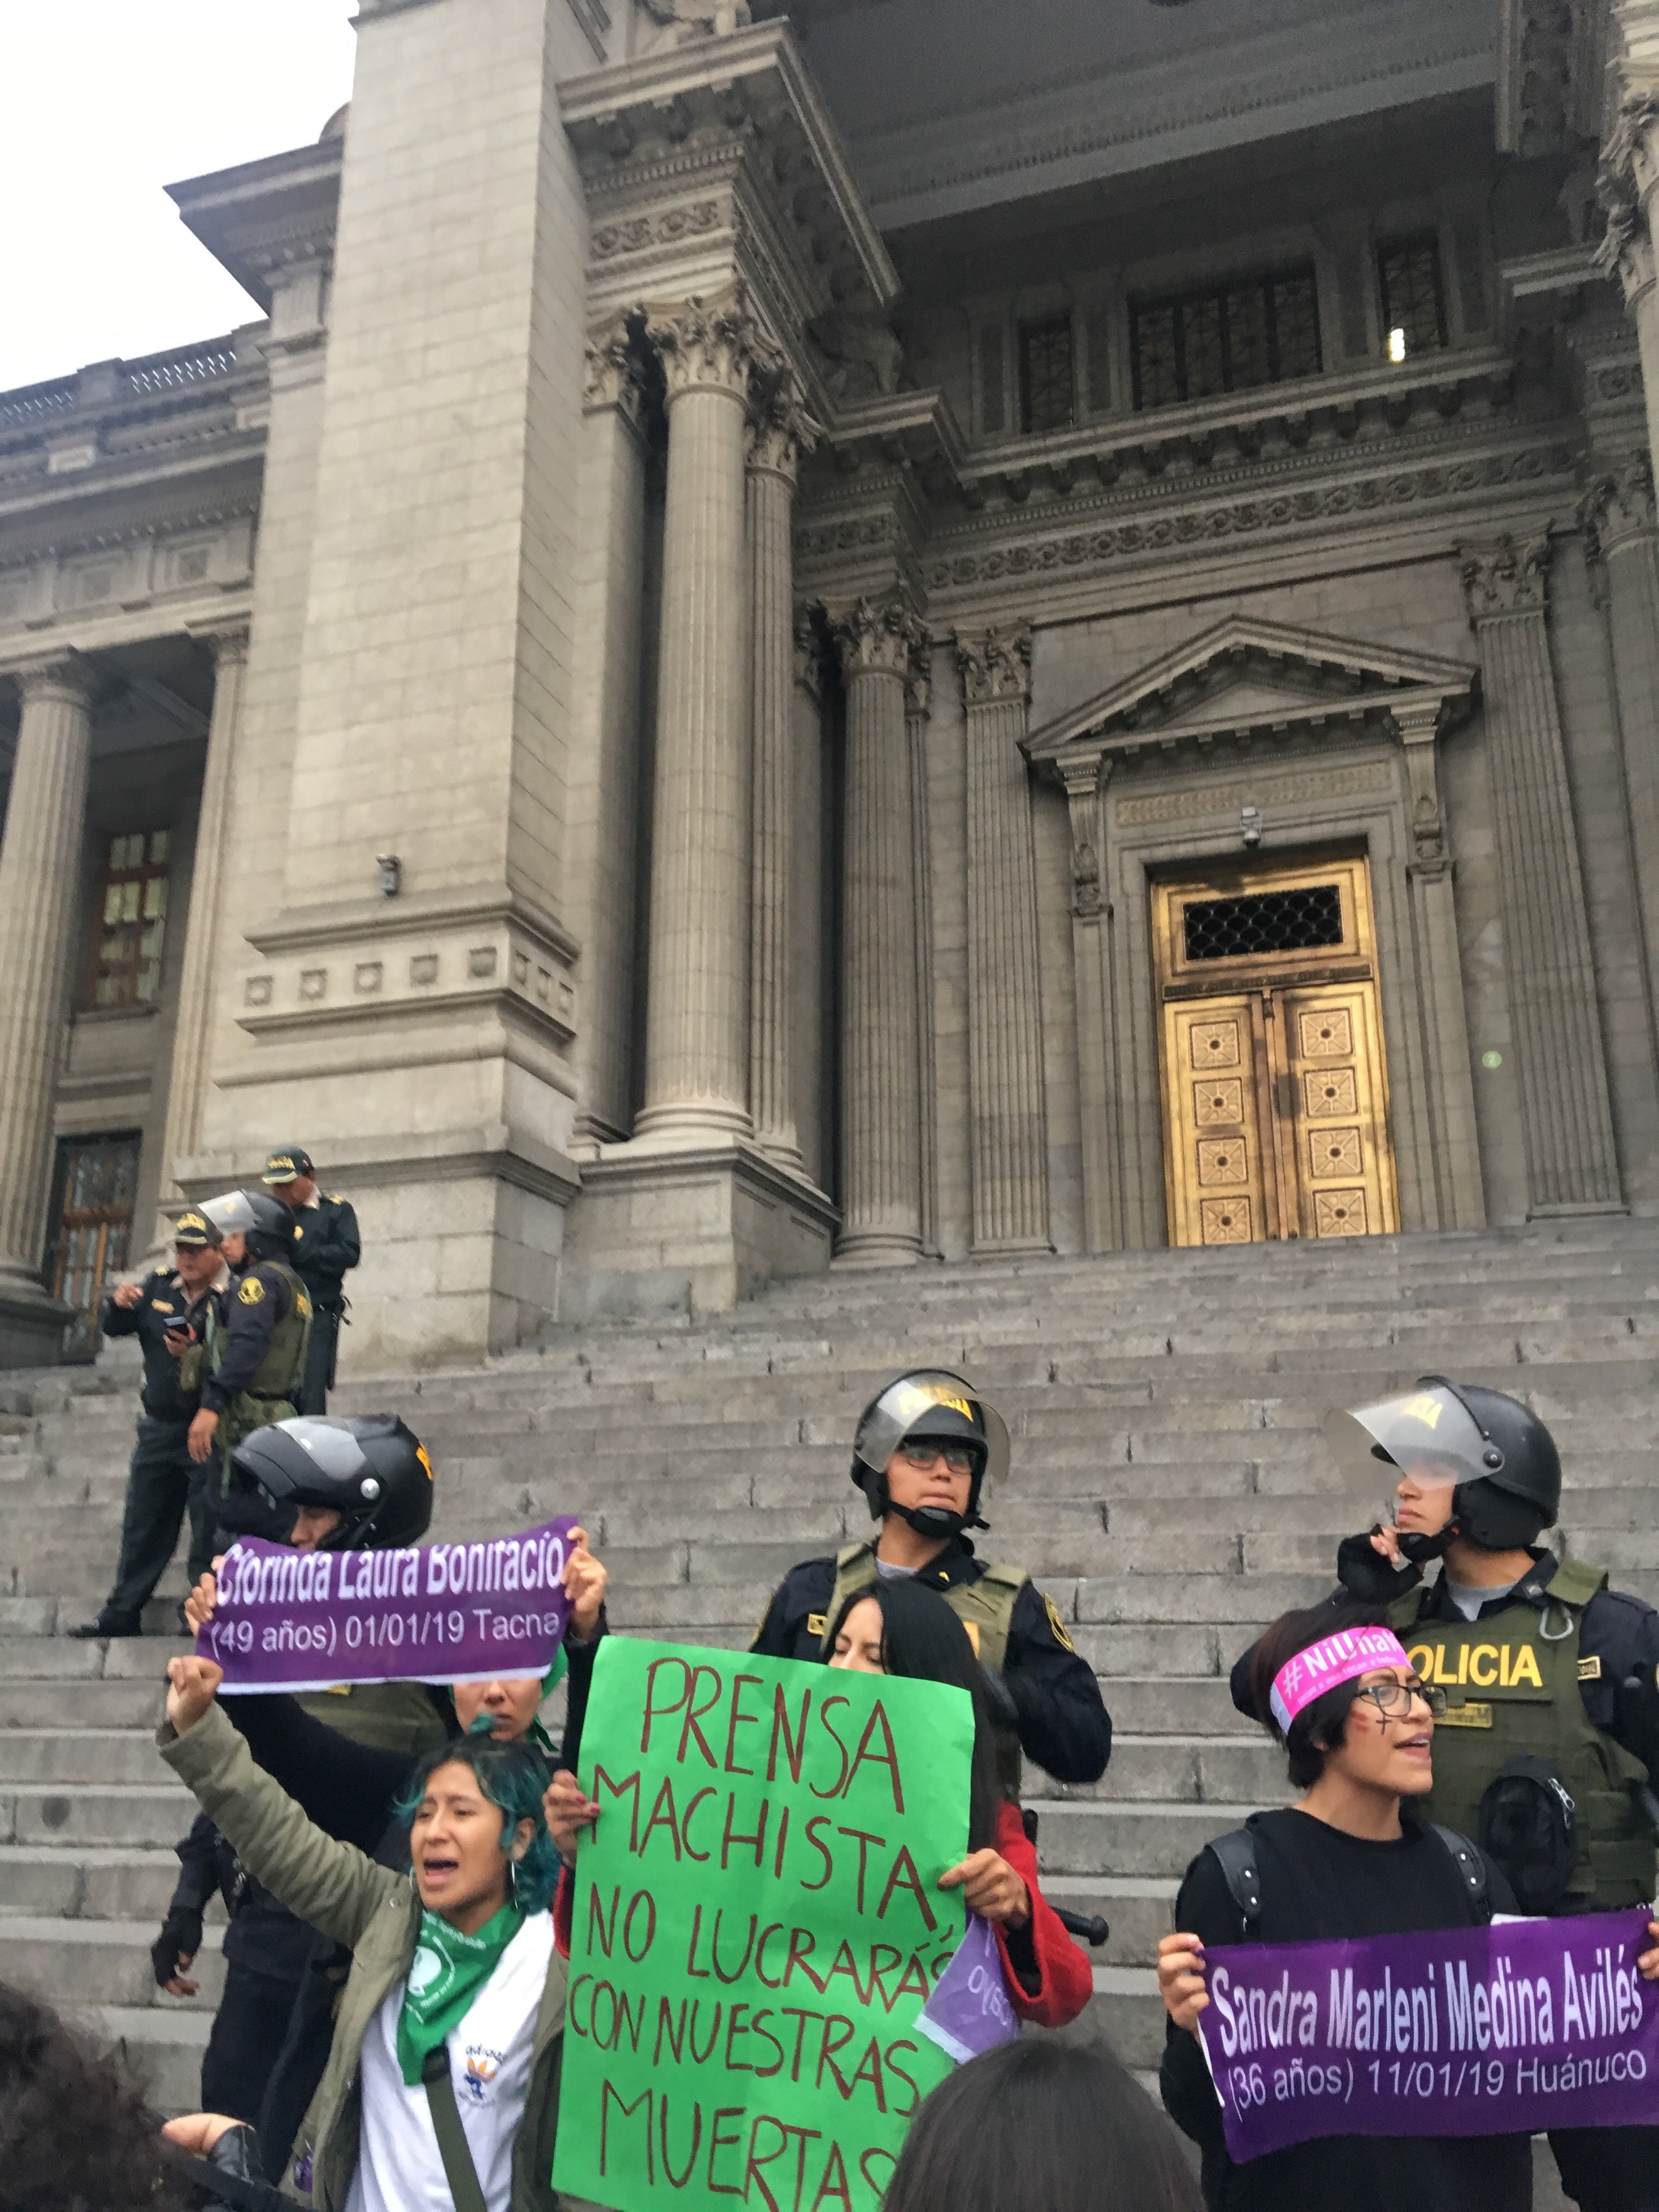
(1275,1087)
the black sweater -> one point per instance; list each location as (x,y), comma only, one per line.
(1317,1885)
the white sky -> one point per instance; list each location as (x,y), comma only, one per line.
(108,100)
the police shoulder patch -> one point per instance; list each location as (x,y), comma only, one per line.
(252,1291)
(1062,1634)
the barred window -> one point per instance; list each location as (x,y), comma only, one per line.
(1046,376)
(93,1186)
(1260,331)
(1413,297)
(1264,922)
(132,921)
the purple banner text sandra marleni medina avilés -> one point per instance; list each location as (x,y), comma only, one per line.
(439,1613)
(1506,2030)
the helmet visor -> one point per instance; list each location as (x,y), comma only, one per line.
(308,1461)
(1428,1434)
(932,1402)
(230,1213)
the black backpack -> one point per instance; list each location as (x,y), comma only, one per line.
(1234,1853)
(1528,1827)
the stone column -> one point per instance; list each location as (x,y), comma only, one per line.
(1445,1099)
(1102,1212)
(696,1035)
(1571,1164)
(1618,516)
(1627,184)
(605,779)
(782,430)
(880,1070)
(812,1048)
(1008,1133)
(187,1082)
(918,693)
(39,932)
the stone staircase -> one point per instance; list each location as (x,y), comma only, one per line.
(1168,1490)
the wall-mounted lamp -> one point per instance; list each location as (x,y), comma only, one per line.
(1250,826)
(391,873)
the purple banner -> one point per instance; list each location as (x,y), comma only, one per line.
(436,1613)
(968,2011)
(1526,2024)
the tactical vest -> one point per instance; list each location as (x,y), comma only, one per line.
(986,1609)
(271,1390)
(1511,1682)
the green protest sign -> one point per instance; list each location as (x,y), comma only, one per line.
(758,1924)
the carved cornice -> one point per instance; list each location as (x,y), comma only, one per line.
(877,637)
(1505,579)
(996,667)
(707,345)
(1551,63)
(1618,503)
(161,524)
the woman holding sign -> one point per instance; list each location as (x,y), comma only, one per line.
(1351,1859)
(441,2086)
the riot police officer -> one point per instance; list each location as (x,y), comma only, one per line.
(167,1313)
(327,1245)
(1551,1730)
(257,1328)
(927,1449)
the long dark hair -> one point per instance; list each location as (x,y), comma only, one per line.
(513,1776)
(923,1638)
(1319,1728)
(75,2132)
(1041,2126)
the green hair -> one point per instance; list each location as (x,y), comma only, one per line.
(513,1777)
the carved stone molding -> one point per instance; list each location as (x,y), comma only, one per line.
(228,642)
(877,637)
(1084,785)
(62,676)
(707,345)
(1506,578)
(684,20)
(637,234)
(1419,728)
(918,675)
(1624,186)
(780,429)
(1618,503)
(613,368)
(995,667)
(811,645)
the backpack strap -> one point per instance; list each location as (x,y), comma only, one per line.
(453,2147)
(1471,1867)
(1235,1854)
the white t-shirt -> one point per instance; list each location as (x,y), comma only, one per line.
(399,2168)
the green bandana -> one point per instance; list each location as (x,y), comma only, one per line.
(445,1975)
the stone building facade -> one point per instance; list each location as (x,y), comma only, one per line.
(910,632)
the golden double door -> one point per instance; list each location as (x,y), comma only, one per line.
(1275,1087)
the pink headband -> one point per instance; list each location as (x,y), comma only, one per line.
(1328,1664)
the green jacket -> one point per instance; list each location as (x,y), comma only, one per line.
(378,1913)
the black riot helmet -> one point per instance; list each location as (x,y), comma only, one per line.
(368,1467)
(1495,1456)
(929,1404)
(265,1221)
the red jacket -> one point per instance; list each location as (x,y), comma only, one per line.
(1049,1980)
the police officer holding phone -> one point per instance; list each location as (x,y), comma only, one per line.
(166,1312)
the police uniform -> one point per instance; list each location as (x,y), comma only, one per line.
(256,1331)
(1019,1632)
(163,1481)
(327,1245)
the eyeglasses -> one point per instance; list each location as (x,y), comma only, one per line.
(1394,1700)
(920,1453)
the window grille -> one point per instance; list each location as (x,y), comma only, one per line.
(1046,376)
(1413,297)
(1226,338)
(96,1181)
(1263,921)
(132,921)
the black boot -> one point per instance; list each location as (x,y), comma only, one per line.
(109,1624)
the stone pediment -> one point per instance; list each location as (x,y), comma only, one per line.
(1247,678)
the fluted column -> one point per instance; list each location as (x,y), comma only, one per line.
(880,1116)
(188,1081)
(917,698)
(1618,515)
(1571,1159)
(1084,783)
(40,899)
(1007,1119)
(697,1032)
(1628,182)
(782,429)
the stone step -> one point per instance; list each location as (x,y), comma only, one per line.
(95,1881)
(1151,1838)
(102,1962)
(162,2051)
(78,1757)
(1139,1909)
(1174,1770)
(151,1812)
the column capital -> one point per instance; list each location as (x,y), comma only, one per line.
(1624,185)
(1618,500)
(996,667)
(62,675)
(1505,577)
(780,429)
(228,642)
(811,644)
(707,345)
(613,368)
(919,674)
(877,637)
